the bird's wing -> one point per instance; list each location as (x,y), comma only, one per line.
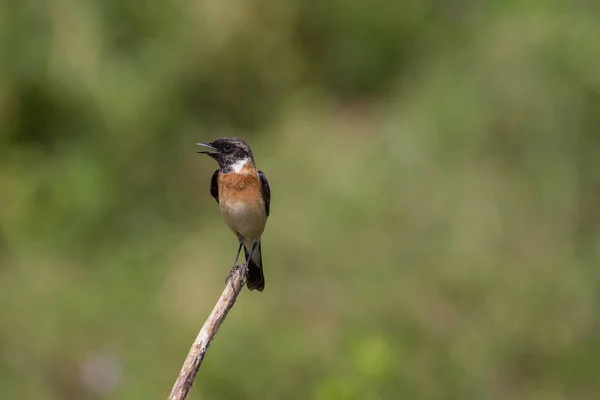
(266,191)
(214,186)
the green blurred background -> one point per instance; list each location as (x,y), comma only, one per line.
(435,173)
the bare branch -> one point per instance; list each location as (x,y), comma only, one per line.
(192,363)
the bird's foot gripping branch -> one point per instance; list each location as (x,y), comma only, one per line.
(243,269)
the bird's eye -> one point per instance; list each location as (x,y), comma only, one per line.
(227,147)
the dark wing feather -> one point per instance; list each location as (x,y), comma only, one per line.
(214,186)
(266,191)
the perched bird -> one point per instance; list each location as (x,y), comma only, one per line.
(244,196)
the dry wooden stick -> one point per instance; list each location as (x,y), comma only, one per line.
(190,367)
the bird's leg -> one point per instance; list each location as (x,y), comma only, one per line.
(237,256)
(235,266)
(254,245)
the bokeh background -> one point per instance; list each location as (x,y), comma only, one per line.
(435,223)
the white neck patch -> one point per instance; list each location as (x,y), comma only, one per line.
(239,165)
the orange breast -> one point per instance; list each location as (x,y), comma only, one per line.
(241,203)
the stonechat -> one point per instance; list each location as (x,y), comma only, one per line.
(244,197)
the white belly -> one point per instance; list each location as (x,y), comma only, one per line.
(248,221)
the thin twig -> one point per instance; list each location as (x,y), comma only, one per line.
(192,363)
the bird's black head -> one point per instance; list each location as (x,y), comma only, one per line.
(229,152)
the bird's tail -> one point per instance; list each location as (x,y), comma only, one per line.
(256,279)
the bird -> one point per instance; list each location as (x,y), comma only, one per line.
(244,198)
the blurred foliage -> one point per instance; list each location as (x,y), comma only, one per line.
(435,169)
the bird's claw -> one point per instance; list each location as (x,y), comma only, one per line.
(244,272)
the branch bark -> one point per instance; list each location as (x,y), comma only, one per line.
(195,356)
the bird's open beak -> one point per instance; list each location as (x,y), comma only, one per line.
(211,150)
